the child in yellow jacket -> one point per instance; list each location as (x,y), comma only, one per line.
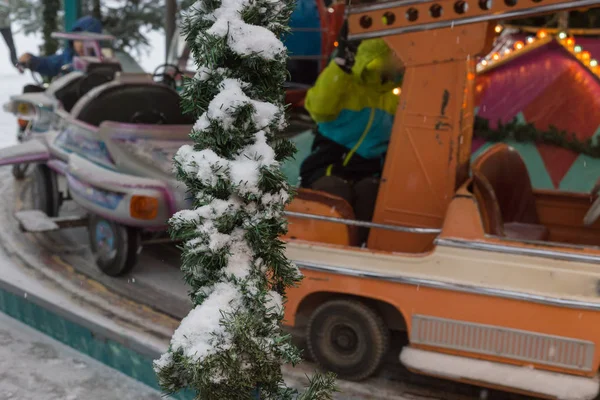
(353,103)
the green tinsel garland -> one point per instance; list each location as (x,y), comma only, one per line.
(529,133)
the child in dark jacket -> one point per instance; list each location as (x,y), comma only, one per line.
(50,66)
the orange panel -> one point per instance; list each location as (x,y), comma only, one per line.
(463,220)
(562,213)
(429,151)
(411,15)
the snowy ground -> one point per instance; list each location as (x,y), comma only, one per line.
(35,367)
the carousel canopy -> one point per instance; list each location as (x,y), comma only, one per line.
(547,81)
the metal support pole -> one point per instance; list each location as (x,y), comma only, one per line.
(563,20)
(72,13)
(170,21)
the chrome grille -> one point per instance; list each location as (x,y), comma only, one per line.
(503,342)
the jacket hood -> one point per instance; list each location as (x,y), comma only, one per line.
(87,24)
(372,56)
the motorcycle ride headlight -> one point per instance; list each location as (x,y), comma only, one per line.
(25,111)
(143,207)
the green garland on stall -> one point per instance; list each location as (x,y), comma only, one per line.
(527,132)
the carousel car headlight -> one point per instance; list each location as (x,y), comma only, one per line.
(143,207)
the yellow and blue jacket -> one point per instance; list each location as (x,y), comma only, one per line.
(354,111)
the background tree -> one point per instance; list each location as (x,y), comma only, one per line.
(27,14)
(96,10)
(132,20)
(49,12)
(128,20)
(231,345)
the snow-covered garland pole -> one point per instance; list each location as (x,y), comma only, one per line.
(231,345)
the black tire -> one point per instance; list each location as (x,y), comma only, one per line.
(348,338)
(45,195)
(19,171)
(115,247)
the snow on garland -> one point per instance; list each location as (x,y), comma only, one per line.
(231,345)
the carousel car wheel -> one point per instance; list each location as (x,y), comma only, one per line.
(115,247)
(45,194)
(19,171)
(348,338)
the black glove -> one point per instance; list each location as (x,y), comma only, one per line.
(346,51)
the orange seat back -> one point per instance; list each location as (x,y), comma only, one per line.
(323,204)
(504,169)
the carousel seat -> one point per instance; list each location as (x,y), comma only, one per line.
(503,188)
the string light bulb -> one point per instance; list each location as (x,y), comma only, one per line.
(396,91)
(498,28)
(585,55)
(570,42)
(565,40)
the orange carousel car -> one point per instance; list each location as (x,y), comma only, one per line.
(495,282)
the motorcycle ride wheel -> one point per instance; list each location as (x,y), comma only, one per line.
(115,247)
(19,171)
(45,194)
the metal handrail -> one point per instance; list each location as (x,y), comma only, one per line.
(364,224)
